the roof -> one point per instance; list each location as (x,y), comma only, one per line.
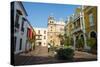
(23,7)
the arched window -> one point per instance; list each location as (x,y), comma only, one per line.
(82,37)
(50,41)
(93,34)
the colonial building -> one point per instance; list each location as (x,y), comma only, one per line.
(74,28)
(78,31)
(41,37)
(82,25)
(24,34)
(55,29)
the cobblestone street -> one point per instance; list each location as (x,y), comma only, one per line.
(40,56)
(84,56)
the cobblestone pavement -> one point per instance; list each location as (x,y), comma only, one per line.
(41,56)
(84,56)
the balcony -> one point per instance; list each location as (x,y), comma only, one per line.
(38,34)
(38,37)
(77,16)
(77,30)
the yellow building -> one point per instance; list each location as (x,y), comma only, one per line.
(75,28)
(90,19)
(82,25)
(55,28)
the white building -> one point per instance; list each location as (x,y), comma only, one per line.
(41,37)
(21,28)
(60,27)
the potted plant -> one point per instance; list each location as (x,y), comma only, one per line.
(91,42)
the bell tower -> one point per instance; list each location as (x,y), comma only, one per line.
(51,30)
(51,20)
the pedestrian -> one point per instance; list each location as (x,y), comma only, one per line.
(48,47)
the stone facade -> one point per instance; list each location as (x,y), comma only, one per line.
(55,28)
(41,37)
(81,25)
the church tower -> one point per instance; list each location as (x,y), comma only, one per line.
(55,28)
(51,30)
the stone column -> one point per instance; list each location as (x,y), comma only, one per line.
(85,44)
(84,30)
(74,45)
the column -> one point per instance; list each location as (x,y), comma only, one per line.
(81,21)
(85,44)
(74,45)
(84,31)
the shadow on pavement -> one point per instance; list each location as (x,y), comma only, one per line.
(32,60)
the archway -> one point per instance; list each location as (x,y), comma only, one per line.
(94,47)
(93,34)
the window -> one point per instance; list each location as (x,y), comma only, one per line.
(20,47)
(39,43)
(38,31)
(91,19)
(38,37)
(44,32)
(26,45)
(61,29)
(93,34)
(15,43)
(50,36)
(51,22)
(16,21)
(27,32)
(44,37)
(51,28)
(50,41)
(22,28)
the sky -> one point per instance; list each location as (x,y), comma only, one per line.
(38,13)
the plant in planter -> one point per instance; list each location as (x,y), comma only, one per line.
(66,53)
(91,42)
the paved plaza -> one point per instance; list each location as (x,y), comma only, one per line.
(41,56)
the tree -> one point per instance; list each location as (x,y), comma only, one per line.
(67,41)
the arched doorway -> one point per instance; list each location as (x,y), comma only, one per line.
(82,41)
(93,34)
(76,42)
(94,47)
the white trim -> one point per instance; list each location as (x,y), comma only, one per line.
(80,35)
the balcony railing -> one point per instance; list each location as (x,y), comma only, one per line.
(76,30)
(76,16)
(38,38)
